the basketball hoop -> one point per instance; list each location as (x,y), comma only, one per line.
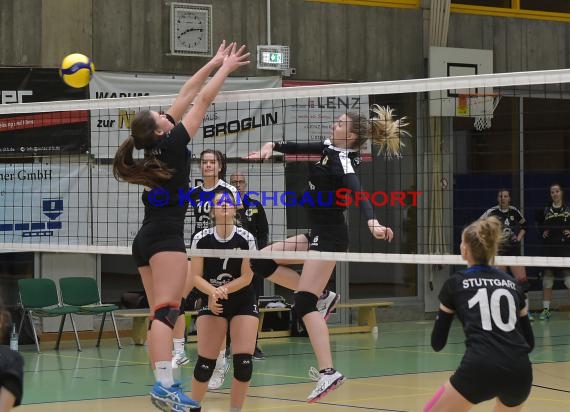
(479,106)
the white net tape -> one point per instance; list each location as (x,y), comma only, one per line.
(396,258)
(102,215)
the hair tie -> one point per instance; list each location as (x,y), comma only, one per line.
(170,119)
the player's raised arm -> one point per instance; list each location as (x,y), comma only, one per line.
(190,89)
(233,60)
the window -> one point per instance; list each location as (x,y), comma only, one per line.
(555,6)
(530,9)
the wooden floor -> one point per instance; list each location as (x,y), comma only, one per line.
(394,371)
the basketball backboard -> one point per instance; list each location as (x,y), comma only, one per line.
(448,62)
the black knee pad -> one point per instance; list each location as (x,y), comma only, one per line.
(305,303)
(263,267)
(204,369)
(167,315)
(182,303)
(243,367)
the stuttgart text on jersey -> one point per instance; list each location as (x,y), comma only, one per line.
(484,282)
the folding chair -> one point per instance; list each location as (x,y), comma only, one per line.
(39,298)
(83,292)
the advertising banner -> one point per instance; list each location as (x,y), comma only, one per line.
(234,128)
(40,133)
(44,203)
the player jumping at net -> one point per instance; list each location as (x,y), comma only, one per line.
(492,310)
(327,224)
(231,300)
(158,248)
(514,228)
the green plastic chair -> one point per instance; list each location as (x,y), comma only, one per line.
(83,292)
(39,298)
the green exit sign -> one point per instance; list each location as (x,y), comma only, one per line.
(272,57)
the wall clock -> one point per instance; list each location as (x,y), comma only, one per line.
(190,29)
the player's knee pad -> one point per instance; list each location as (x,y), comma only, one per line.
(243,367)
(204,369)
(263,267)
(548,282)
(167,314)
(567,281)
(305,303)
(181,311)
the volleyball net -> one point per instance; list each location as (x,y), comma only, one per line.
(470,137)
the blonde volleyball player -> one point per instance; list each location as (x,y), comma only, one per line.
(328,228)
(491,306)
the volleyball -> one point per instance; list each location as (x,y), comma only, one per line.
(76,70)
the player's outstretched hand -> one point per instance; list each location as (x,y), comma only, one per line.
(379,231)
(235,58)
(221,54)
(264,153)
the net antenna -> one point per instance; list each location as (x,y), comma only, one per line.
(480,106)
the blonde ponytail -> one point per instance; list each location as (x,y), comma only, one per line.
(386,132)
(484,236)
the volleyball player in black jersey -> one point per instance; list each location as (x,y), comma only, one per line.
(158,247)
(213,168)
(231,300)
(514,228)
(328,229)
(492,310)
(554,226)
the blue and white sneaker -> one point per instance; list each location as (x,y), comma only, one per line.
(171,399)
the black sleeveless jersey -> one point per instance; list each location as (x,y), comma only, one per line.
(333,175)
(487,302)
(172,151)
(511,219)
(556,220)
(201,203)
(219,271)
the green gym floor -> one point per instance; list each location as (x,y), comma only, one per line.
(394,371)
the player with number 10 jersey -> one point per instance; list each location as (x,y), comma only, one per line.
(498,336)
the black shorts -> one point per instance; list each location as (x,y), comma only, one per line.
(154,237)
(12,372)
(479,381)
(328,238)
(242,302)
(557,250)
(510,249)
